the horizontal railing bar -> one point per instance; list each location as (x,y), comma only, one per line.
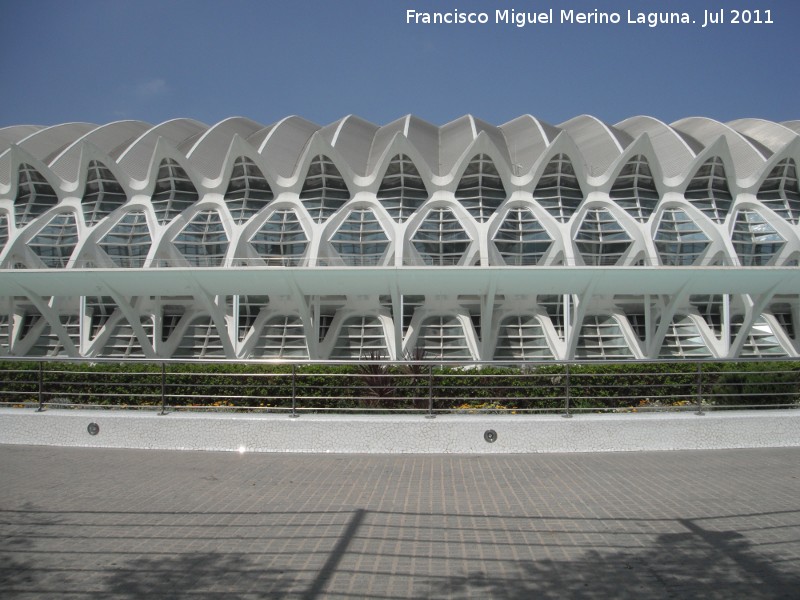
(430,387)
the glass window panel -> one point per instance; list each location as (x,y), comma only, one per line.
(360,239)
(521,239)
(174,191)
(558,190)
(601,337)
(282,336)
(34,195)
(103,194)
(361,337)
(281,239)
(756,242)
(709,190)
(324,190)
(601,240)
(442,337)
(780,191)
(481,190)
(521,337)
(635,189)
(200,340)
(679,240)
(56,241)
(402,190)
(129,241)
(248,191)
(683,340)
(203,241)
(440,238)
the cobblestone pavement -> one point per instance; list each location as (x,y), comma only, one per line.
(99,523)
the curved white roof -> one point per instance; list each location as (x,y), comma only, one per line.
(360,145)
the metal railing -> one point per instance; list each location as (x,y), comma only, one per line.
(426,387)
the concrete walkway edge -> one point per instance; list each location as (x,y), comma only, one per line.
(402,434)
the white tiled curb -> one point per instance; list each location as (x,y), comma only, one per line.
(402,434)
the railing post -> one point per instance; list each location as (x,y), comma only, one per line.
(41,388)
(163,389)
(566,414)
(430,414)
(294,414)
(699,382)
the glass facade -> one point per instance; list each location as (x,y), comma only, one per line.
(468,241)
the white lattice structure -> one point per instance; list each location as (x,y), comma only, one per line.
(526,241)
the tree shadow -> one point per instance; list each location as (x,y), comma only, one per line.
(206,575)
(697,564)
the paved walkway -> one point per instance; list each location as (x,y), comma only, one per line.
(99,523)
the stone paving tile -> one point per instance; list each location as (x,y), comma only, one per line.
(98,523)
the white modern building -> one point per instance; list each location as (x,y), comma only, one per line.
(527,241)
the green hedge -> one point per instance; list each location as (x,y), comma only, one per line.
(368,385)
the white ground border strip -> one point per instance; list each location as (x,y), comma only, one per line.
(457,434)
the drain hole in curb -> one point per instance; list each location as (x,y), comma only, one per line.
(490,435)
(93,429)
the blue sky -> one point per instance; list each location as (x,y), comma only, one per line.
(101,61)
